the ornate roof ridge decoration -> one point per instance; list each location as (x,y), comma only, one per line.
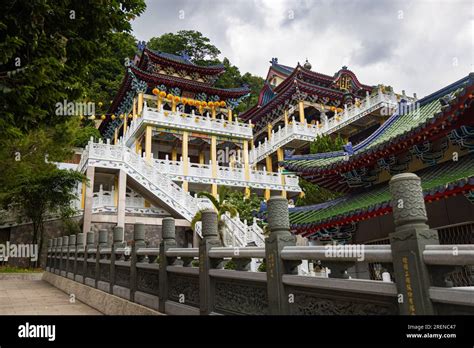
(284,91)
(298,75)
(182,61)
(447,179)
(201,86)
(448,115)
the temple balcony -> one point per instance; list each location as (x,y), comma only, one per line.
(106,155)
(295,134)
(227,176)
(159,117)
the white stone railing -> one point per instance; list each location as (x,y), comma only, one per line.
(227,176)
(309,132)
(118,156)
(189,122)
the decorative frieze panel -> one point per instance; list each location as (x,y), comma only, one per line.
(147,281)
(232,297)
(313,304)
(122,276)
(184,289)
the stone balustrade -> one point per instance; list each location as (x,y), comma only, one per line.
(106,153)
(309,132)
(186,122)
(215,279)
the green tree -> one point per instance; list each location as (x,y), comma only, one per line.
(196,45)
(50,192)
(314,194)
(103,75)
(326,143)
(46,48)
(84,134)
(222,207)
(202,51)
(246,206)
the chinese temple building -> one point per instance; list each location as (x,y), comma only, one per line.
(171,134)
(432,137)
(297,105)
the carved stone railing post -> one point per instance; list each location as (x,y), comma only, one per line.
(55,256)
(117,236)
(64,252)
(78,254)
(103,242)
(50,251)
(71,256)
(280,236)
(408,241)
(138,242)
(210,239)
(89,245)
(59,242)
(168,241)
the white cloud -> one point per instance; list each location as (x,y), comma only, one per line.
(427,48)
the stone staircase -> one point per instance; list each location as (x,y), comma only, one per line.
(163,189)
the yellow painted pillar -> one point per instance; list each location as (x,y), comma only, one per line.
(137,146)
(285,117)
(83,194)
(269,131)
(134,109)
(301,111)
(173,105)
(125,116)
(229,115)
(116,191)
(213,113)
(246,167)
(214,163)
(148,134)
(174,154)
(115,136)
(280,157)
(269,166)
(158,101)
(140,103)
(201,157)
(185,159)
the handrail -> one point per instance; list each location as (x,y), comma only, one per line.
(373,253)
(182,252)
(446,254)
(236,253)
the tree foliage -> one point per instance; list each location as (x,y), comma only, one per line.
(314,194)
(193,43)
(201,51)
(222,207)
(51,51)
(326,143)
(34,197)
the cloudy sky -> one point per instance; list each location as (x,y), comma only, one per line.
(419,46)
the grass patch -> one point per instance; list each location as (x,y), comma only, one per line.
(13,269)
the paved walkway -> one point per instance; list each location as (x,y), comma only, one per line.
(37,297)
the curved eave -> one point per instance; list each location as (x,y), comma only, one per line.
(178,63)
(285,93)
(398,144)
(460,186)
(189,85)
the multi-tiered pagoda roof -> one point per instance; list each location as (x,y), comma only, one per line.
(173,74)
(433,137)
(301,83)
